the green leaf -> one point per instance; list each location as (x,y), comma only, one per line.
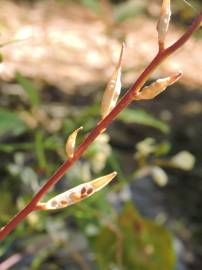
(5,209)
(1,58)
(11,122)
(134,243)
(91,4)
(141,117)
(162,148)
(30,89)
(40,149)
(128,9)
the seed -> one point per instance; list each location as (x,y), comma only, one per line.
(74,197)
(54,203)
(63,203)
(89,191)
(83,190)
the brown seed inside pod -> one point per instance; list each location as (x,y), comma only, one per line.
(63,203)
(89,191)
(83,190)
(75,196)
(54,203)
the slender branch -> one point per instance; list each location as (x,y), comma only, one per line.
(103,124)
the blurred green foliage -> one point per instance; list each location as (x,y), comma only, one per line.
(11,123)
(183,10)
(137,116)
(92,4)
(134,243)
(30,89)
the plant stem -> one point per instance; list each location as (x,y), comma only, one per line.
(102,125)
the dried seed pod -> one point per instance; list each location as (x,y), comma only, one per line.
(77,193)
(113,88)
(154,89)
(163,22)
(71,141)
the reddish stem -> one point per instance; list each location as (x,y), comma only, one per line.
(127,98)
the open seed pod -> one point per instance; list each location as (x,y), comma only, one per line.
(154,89)
(77,193)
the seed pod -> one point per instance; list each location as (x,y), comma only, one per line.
(163,22)
(71,142)
(154,89)
(113,88)
(77,193)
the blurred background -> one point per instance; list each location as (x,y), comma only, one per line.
(56,58)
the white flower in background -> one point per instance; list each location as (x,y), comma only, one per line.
(159,175)
(183,160)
